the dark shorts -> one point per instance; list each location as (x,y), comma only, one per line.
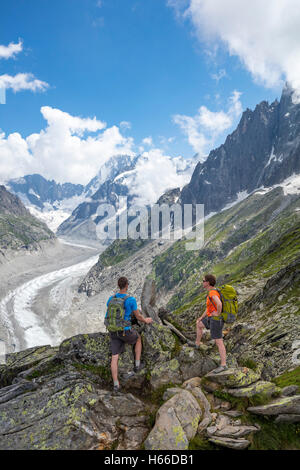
(215,327)
(118,341)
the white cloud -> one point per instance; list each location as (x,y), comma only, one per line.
(154,174)
(203,129)
(22,81)
(6,52)
(148,141)
(265,35)
(61,151)
(125,125)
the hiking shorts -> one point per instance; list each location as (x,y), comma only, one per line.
(119,339)
(215,327)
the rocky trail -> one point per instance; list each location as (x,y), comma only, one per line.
(61,397)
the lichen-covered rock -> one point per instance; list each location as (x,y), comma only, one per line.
(258,388)
(25,360)
(87,348)
(235,377)
(284,405)
(158,344)
(94,350)
(68,411)
(176,423)
(166,373)
(194,363)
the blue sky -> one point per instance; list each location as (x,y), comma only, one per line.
(134,61)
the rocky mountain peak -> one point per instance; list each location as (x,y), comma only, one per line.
(11,204)
(263,150)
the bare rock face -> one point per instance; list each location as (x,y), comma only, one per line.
(19,230)
(262,151)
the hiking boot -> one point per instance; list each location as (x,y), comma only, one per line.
(138,368)
(116,389)
(219,369)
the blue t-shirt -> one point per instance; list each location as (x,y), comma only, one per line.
(129,304)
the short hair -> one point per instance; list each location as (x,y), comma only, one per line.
(122,282)
(211,279)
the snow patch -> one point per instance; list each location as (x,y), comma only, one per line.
(33,193)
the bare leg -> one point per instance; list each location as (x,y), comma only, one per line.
(138,349)
(199,331)
(114,367)
(222,351)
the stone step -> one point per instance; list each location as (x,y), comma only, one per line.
(235,377)
(283,405)
(237,444)
(260,387)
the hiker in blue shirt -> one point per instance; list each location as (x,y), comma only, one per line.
(126,335)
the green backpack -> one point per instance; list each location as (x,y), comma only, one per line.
(229,301)
(114,319)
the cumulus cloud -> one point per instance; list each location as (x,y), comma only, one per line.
(206,126)
(22,81)
(265,35)
(148,141)
(6,52)
(155,173)
(64,150)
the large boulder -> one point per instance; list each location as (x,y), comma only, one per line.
(176,423)
(69,411)
(158,344)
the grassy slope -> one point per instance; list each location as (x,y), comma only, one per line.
(242,243)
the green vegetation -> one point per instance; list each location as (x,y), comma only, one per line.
(120,250)
(241,243)
(52,369)
(279,436)
(288,378)
(199,442)
(99,371)
(156,396)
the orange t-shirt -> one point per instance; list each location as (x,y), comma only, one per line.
(209,305)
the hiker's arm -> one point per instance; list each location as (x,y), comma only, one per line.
(140,317)
(203,316)
(218,304)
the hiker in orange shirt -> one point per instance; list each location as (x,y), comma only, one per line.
(211,319)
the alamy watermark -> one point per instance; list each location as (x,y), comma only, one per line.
(166,222)
(2,95)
